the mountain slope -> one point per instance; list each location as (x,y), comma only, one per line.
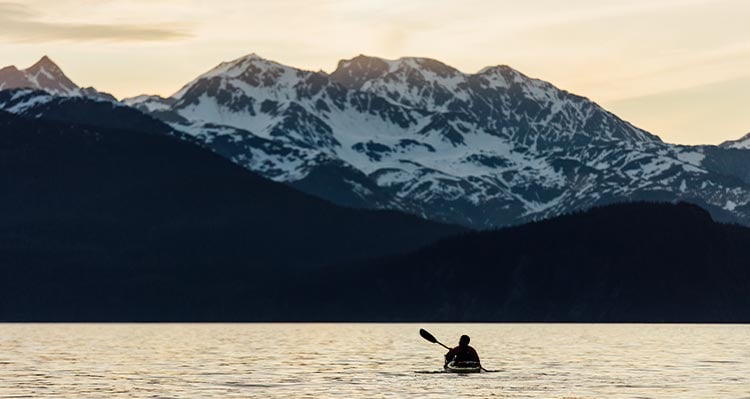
(741,143)
(79,110)
(101,223)
(636,262)
(487,149)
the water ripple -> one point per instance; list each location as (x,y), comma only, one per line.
(370,360)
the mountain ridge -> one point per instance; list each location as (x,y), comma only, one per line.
(630,262)
(635,262)
(740,143)
(484,149)
(487,149)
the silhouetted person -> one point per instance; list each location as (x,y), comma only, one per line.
(463,352)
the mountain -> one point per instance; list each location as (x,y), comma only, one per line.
(637,262)
(483,150)
(741,143)
(488,149)
(38,104)
(113,223)
(47,76)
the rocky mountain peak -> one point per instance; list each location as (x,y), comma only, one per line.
(353,73)
(356,72)
(251,70)
(46,75)
(11,78)
(252,62)
(9,69)
(427,65)
(45,63)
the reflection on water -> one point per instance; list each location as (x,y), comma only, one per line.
(371,360)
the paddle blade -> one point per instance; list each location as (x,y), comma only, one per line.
(427,336)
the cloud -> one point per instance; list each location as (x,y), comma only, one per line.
(19,23)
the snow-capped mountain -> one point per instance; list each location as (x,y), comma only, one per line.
(46,75)
(486,149)
(741,143)
(82,110)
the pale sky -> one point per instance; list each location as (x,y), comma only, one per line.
(677,68)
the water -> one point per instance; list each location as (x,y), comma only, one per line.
(371,360)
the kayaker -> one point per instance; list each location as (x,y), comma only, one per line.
(463,352)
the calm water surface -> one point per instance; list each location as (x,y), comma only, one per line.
(371,361)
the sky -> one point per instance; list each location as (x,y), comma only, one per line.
(677,68)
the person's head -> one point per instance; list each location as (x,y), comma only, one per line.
(464,340)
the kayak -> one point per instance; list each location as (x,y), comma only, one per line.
(463,367)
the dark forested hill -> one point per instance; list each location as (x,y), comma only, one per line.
(100,224)
(630,262)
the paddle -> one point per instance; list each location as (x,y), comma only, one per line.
(426,335)
(431,338)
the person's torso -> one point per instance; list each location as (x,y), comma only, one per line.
(465,354)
